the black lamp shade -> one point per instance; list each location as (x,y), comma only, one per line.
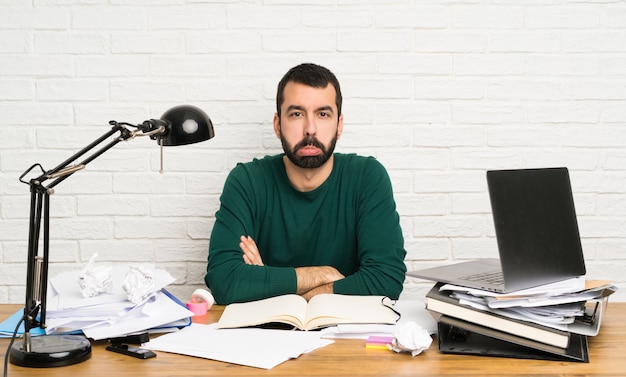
(186,125)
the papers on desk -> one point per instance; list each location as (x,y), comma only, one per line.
(547,290)
(548,322)
(579,311)
(158,313)
(109,315)
(260,348)
(265,348)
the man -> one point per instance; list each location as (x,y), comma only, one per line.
(308,221)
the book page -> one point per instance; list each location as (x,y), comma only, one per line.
(289,309)
(333,309)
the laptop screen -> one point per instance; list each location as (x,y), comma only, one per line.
(536,225)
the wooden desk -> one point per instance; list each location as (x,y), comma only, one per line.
(350,358)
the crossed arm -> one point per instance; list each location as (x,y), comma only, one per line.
(311,280)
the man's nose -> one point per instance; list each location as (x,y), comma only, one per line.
(310,127)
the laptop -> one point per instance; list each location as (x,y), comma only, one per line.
(536,231)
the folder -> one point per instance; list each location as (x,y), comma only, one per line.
(7,327)
(441,303)
(456,336)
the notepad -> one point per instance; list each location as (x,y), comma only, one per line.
(378,342)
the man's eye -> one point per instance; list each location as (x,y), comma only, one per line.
(324,114)
(295,114)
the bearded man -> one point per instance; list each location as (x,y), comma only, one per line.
(310,220)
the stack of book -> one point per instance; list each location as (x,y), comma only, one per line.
(542,325)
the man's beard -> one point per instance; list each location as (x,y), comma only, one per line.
(308,162)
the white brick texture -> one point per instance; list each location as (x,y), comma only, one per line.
(438,90)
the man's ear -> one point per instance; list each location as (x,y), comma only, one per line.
(277,125)
(339,126)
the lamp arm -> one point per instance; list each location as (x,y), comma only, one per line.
(179,126)
(37,266)
(63,170)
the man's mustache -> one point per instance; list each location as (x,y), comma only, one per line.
(309,141)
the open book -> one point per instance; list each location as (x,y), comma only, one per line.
(321,311)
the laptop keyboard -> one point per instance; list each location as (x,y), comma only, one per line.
(494,278)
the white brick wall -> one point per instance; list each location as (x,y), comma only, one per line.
(438,90)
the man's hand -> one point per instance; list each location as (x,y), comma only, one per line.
(251,253)
(316,279)
(312,280)
(326,288)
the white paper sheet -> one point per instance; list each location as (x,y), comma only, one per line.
(560,287)
(153,313)
(260,348)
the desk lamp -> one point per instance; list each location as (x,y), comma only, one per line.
(178,126)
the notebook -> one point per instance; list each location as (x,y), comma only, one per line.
(536,231)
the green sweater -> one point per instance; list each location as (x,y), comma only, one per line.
(350,222)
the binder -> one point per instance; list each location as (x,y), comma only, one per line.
(440,303)
(456,336)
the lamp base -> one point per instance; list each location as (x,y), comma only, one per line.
(49,351)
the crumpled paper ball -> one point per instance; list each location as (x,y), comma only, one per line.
(139,284)
(95,280)
(410,337)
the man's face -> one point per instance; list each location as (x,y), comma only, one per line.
(309,125)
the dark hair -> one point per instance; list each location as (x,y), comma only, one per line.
(311,75)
